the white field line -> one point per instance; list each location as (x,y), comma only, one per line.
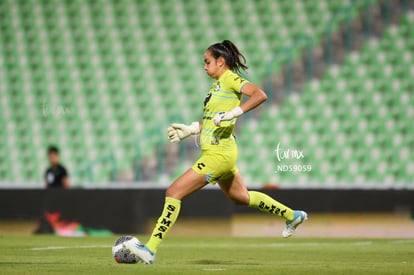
(402,241)
(258,245)
(208,245)
(69,247)
(218,245)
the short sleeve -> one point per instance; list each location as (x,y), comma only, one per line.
(236,82)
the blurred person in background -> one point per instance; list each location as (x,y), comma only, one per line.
(56,176)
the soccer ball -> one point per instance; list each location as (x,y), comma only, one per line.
(121,255)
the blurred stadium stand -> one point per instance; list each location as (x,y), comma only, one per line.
(354,125)
(103,79)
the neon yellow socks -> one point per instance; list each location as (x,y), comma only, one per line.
(172,207)
(165,222)
(265,203)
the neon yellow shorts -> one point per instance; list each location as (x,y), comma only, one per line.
(216,165)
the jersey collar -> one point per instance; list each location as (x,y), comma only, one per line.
(223,75)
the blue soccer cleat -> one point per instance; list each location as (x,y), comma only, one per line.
(140,250)
(298,218)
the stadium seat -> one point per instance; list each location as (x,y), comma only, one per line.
(118,69)
(353,125)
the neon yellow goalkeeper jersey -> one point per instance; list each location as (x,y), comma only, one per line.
(224,95)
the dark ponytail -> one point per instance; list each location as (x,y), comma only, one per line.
(233,57)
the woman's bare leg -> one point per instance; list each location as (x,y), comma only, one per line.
(187,183)
(235,189)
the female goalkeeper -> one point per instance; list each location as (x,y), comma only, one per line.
(217,164)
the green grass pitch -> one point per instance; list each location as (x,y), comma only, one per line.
(210,255)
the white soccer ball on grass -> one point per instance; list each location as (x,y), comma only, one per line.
(121,255)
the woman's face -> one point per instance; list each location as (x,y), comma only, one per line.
(211,65)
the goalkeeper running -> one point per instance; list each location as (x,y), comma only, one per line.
(217,164)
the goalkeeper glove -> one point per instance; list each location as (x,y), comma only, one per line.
(236,112)
(177,131)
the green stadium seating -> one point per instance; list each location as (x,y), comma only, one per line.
(353,126)
(96,77)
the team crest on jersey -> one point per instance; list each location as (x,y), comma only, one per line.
(217,87)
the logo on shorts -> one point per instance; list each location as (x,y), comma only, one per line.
(200,165)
